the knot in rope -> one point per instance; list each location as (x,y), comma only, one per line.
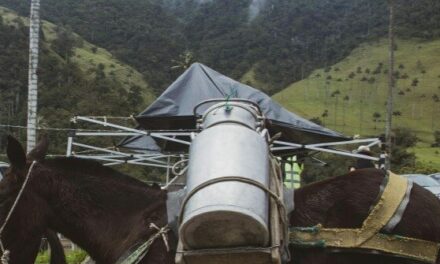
(163,232)
(5,257)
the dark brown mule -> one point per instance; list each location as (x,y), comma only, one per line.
(104,212)
(345,201)
(26,239)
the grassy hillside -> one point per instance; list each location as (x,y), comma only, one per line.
(89,57)
(350,96)
(75,78)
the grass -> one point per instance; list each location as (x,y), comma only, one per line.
(72,257)
(353,90)
(89,56)
(429,157)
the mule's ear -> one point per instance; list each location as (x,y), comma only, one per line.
(16,154)
(40,151)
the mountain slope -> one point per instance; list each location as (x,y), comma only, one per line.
(350,96)
(280,40)
(87,55)
(75,78)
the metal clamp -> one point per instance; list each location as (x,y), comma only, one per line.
(224,100)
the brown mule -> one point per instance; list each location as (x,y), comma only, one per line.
(345,202)
(104,212)
(26,241)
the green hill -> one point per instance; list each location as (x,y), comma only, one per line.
(280,40)
(350,96)
(75,78)
(88,56)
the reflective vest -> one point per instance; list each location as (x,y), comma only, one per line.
(292,170)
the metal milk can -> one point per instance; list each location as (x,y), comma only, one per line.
(228,214)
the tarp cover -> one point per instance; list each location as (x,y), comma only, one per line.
(173,110)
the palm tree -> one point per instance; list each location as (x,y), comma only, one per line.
(324,115)
(435,99)
(346,99)
(34,35)
(336,94)
(185,60)
(376,117)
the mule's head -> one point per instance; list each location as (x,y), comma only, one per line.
(20,163)
(27,223)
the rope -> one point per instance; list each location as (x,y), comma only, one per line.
(272,194)
(226,179)
(5,257)
(177,165)
(6,253)
(142,251)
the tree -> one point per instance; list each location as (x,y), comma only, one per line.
(344,106)
(324,115)
(185,60)
(376,118)
(415,82)
(64,42)
(435,100)
(436,139)
(401,158)
(336,94)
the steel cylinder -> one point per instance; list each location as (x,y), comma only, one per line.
(227,214)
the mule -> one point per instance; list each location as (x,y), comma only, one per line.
(108,213)
(345,202)
(104,212)
(26,240)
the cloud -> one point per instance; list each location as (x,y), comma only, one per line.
(203,1)
(255,8)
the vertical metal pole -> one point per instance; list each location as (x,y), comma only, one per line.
(69,146)
(34,31)
(168,170)
(391,85)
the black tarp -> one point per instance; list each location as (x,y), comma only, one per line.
(173,110)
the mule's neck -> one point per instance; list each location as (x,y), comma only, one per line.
(103,214)
(342,201)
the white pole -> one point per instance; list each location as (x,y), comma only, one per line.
(34,30)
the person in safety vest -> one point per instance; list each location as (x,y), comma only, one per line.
(292,172)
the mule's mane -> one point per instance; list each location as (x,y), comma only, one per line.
(90,168)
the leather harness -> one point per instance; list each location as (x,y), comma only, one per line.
(384,216)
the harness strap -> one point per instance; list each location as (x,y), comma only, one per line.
(384,210)
(6,253)
(368,236)
(397,217)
